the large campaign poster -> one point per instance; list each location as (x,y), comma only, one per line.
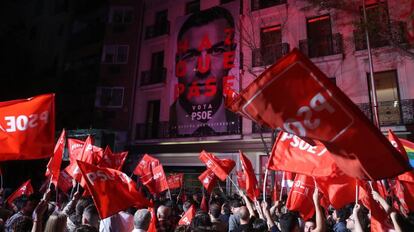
(206,66)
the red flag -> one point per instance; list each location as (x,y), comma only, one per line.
(188,216)
(112,190)
(378,215)
(75,148)
(215,164)
(65,181)
(24,190)
(175,180)
(300,196)
(160,180)
(27,128)
(112,160)
(251,182)
(153,224)
(208,179)
(292,154)
(321,112)
(146,165)
(241,179)
(404,192)
(288,179)
(338,188)
(53,167)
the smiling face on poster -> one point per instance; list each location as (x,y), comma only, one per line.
(205,68)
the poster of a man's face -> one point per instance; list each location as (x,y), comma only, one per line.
(205,69)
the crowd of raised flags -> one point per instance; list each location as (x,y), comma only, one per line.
(335,157)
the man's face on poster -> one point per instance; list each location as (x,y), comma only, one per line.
(205,56)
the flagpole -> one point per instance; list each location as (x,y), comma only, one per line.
(179,193)
(1,180)
(281,186)
(50,181)
(237,188)
(264,184)
(356,193)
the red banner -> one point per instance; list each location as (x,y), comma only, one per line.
(111,190)
(321,112)
(27,128)
(146,165)
(53,167)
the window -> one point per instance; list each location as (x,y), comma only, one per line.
(109,97)
(389,110)
(260,4)
(225,1)
(115,54)
(153,119)
(121,15)
(157,73)
(192,7)
(270,44)
(377,21)
(319,36)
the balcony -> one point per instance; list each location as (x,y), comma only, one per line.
(261,4)
(157,30)
(391,112)
(330,45)
(268,55)
(396,34)
(164,130)
(151,77)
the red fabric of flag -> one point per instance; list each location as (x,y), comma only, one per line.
(300,196)
(53,167)
(208,179)
(65,181)
(159,178)
(404,191)
(153,224)
(112,160)
(251,182)
(321,111)
(27,128)
(188,216)
(111,190)
(241,179)
(24,190)
(204,204)
(292,154)
(378,215)
(215,164)
(146,165)
(175,180)
(338,188)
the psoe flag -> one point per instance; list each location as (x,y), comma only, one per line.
(27,128)
(295,95)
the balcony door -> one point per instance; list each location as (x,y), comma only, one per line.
(157,64)
(270,44)
(389,105)
(153,119)
(319,36)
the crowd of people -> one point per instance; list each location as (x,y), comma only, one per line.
(213,212)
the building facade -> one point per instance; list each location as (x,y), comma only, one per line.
(263,32)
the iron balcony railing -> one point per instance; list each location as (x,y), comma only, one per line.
(326,46)
(157,30)
(396,33)
(268,55)
(391,112)
(151,77)
(261,4)
(164,130)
